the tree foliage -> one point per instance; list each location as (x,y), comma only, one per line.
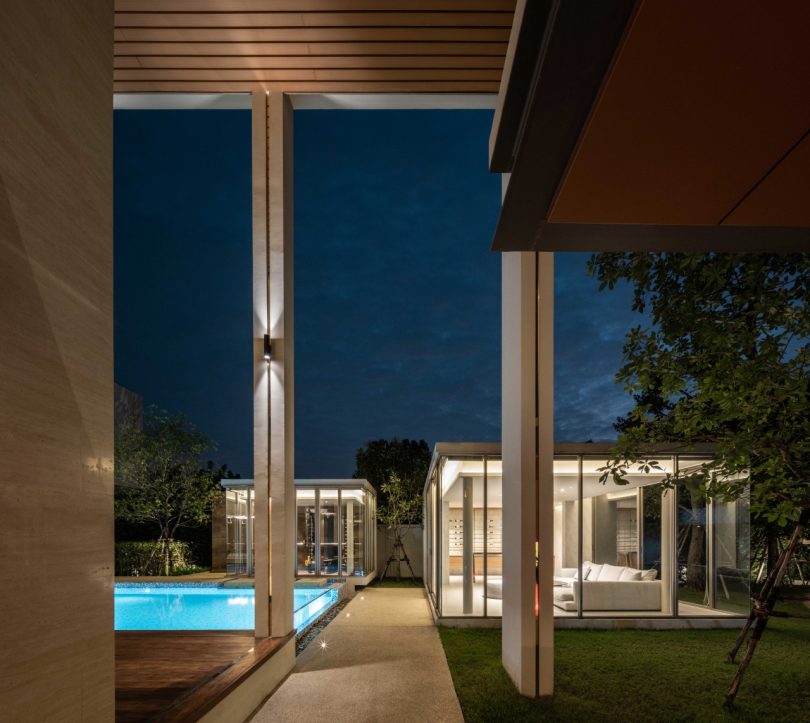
(725,360)
(400,506)
(407,459)
(159,478)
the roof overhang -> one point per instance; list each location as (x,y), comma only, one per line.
(311,46)
(655,126)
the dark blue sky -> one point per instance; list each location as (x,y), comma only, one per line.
(397,294)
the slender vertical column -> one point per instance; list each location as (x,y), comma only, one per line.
(349,536)
(280,310)
(445,543)
(545,471)
(261,371)
(467,522)
(668,553)
(708,525)
(519,384)
(249,533)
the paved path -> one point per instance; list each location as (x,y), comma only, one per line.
(383,661)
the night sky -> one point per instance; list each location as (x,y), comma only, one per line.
(397,296)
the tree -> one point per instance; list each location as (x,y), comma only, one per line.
(159,479)
(399,507)
(726,360)
(408,459)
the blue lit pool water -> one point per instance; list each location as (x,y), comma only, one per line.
(205,607)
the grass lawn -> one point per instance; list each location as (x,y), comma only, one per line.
(636,675)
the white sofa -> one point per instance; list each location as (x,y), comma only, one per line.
(607,588)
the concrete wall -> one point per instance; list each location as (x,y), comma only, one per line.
(56,361)
(412,540)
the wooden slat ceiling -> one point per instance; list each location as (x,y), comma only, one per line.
(318,46)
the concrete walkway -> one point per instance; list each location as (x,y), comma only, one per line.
(380,660)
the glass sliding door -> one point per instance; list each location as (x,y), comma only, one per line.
(623,544)
(566,535)
(305,532)
(463,537)
(239,531)
(353,531)
(493,537)
(692,544)
(328,532)
(731,567)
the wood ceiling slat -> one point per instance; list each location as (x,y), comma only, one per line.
(246,6)
(311,45)
(306,35)
(309,61)
(340,74)
(312,20)
(306,87)
(280,49)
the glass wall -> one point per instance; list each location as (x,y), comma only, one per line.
(693,547)
(634,550)
(731,548)
(239,531)
(622,528)
(305,531)
(335,528)
(464,536)
(353,532)
(328,529)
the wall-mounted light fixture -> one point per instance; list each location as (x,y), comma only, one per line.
(268,348)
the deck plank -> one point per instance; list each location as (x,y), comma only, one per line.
(179,675)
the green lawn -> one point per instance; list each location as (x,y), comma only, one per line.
(636,675)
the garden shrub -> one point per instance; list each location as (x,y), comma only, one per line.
(146,558)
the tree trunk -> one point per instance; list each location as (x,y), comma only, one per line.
(763,606)
(696,559)
(758,601)
(166,556)
(772,542)
(398,547)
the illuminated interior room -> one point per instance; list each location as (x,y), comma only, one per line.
(637,550)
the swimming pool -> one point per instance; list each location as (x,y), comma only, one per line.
(195,606)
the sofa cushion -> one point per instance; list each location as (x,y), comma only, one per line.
(610,573)
(628,573)
(593,571)
(649,574)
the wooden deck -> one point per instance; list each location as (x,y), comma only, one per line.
(179,676)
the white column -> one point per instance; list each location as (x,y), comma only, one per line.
(519,386)
(545,470)
(669,532)
(349,536)
(261,370)
(280,310)
(467,524)
(445,544)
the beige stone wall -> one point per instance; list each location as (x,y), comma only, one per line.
(56,380)
(412,536)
